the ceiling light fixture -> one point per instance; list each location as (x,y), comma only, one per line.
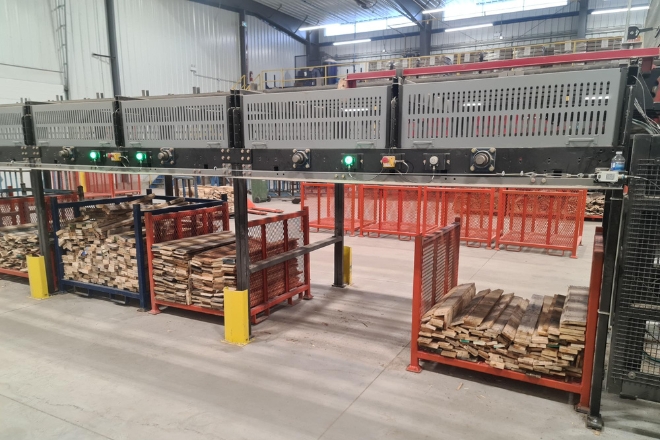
(612,11)
(465,28)
(321,26)
(341,43)
(432,11)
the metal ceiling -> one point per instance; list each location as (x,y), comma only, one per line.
(342,11)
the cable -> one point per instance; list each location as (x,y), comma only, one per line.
(648,180)
(352,177)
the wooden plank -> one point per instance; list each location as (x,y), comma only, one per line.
(511,327)
(544,321)
(529,320)
(457,298)
(496,311)
(575,307)
(553,327)
(483,309)
(497,328)
(459,320)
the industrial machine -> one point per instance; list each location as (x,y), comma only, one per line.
(553,121)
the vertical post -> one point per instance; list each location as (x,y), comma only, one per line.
(55,210)
(339,232)
(611,230)
(241,228)
(582,20)
(242,41)
(169,190)
(37,183)
(112,45)
(139,252)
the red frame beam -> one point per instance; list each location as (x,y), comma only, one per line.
(647,55)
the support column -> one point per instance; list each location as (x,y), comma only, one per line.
(37,183)
(339,232)
(242,41)
(169,185)
(313,50)
(112,45)
(582,19)
(425,39)
(611,228)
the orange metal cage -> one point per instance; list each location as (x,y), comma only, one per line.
(552,220)
(434,253)
(97,185)
(319,198)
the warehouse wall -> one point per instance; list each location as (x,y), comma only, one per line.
(268,48)
(171,46)
(29,63)
(529,32)
(87,34)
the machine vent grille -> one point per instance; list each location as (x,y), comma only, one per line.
(323,119)
(178,122)
(11,128)
(509,111)
(74,124)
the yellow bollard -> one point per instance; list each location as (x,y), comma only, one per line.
(237,324)
(37,275)
(83,180)
(348,265)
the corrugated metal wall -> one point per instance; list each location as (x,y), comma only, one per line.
(268,48)
(87,34)
(171,46)
(29,63)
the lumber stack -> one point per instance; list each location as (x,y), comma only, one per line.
(542,335)
(172,268)
(216,193)
(16,242)
(99,246)
(595,204)
(212,271)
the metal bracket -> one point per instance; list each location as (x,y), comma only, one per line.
(238,156)
(483,159)
(30,152)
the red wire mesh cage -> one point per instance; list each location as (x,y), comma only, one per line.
(393,210)
(551,220)
(271,236)
(19,215)
(319,198)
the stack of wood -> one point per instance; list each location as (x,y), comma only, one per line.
(211,272)
(595,204)
(172,264)
(16,242)
(544,335)
(216,193)
(100,244)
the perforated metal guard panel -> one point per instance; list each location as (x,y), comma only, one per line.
(540,110)
(349,118)
(74,124)
(197,122)
(635,350)
(11,127)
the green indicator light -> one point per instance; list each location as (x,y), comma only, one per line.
(94,155)
(348,160)
(140,156)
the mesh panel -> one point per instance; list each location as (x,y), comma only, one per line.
(635,349)
(167,227)
(393,210)
(547,220)
(475,209)
(272,237)
(439,265)
(22,210)
(320,199)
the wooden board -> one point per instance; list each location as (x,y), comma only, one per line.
(553,327)
(452,304)
(511,327)
(529,320)
(482,310)
(575,307)
(496,311)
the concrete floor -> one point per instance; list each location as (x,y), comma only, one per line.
(330,368)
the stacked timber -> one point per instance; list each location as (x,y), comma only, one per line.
(542,335)
(17,242)
(99,246)
(595,204)
(172,268)
(216,193)
(211,272)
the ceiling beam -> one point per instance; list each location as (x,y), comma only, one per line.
(279,20)
(411,9)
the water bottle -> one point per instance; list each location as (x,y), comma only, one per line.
(618,162)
